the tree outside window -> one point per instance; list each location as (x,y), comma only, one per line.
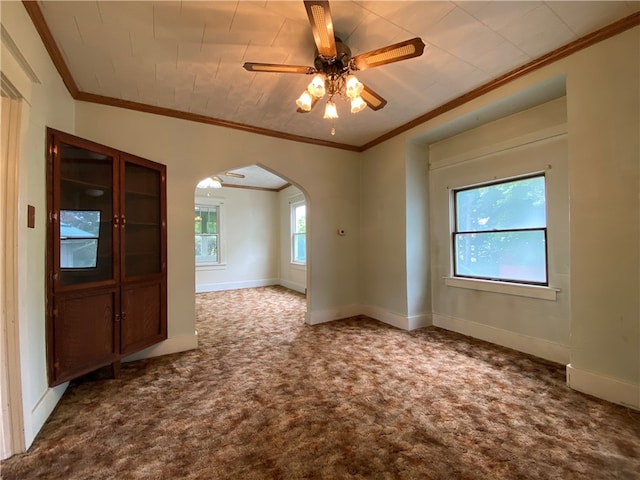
(501,230)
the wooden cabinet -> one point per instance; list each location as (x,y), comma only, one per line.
(106,255)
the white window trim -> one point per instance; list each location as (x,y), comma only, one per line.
(507,288)
(521,288)
(292,207)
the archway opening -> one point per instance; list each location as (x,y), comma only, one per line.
(251,230)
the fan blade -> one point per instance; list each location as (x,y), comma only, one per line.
(278,68)
(372,99)
(314,100)
(319,15)
(389,54)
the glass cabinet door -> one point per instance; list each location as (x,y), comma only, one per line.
(142,224)
(85,205)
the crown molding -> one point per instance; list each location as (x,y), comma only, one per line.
(33,9)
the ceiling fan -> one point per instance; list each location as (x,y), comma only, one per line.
(333,66)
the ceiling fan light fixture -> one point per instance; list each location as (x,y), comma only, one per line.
(353,87)
(210,182)
(304,102)
(357,104)
(317,86)
(330,110)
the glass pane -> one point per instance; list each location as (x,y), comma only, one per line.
(79,232)
(300,248)
(515,256)
(142,229)
(198,220)
(206,248)
(509,205)
(300,214)
(86,213)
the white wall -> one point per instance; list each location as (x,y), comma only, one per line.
(603,96)
(46,102)
(256,240)
(604,207)
(249,235)
(291,275)
(192,151)
(529,142)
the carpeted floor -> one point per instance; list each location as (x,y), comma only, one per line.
(268,397)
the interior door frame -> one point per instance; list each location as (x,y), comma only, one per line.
(12,430)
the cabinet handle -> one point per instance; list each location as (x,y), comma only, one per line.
(116,221)
(117,317)
(123,220)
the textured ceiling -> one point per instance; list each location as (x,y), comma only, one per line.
(188,56)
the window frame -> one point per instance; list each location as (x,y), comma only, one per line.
(218,208)
(455,232)
(294,233)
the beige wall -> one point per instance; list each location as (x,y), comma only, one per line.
(533,141)
(249,221)
(603,97)
(604,207)
(192,151)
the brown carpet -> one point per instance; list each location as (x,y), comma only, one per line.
(269,397)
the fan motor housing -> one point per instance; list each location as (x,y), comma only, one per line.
(334,65)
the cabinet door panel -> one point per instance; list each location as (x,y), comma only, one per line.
(142,316)
(85,339)
(84,198)
(143,212)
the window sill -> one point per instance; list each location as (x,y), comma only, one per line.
(531,291)
(205,267)
(298,266)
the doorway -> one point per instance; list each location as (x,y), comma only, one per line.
(245,231)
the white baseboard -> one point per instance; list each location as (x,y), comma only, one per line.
(41,411)
(395,320)
(175,344)
(293,286)
(338,313)
(604,387)
(377,313)
(538,347)
(216,287)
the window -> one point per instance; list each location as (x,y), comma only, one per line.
(207,231)
(79,234)
(501,230)
(298,233)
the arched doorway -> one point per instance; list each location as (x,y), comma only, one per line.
(251,230)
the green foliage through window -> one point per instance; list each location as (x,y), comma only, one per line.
(207,235)
(500,231)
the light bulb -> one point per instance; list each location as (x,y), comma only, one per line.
(330,110)
(210,182)
(357,104)
(316,87)
(354,87)
(304,102)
